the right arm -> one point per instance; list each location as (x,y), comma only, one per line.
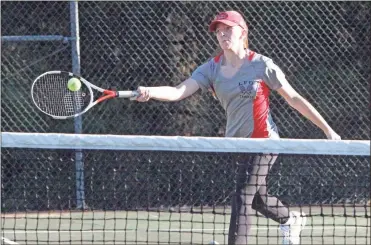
(167,93)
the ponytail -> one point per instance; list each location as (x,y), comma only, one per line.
(246,43)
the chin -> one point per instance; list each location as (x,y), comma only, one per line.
(225,47)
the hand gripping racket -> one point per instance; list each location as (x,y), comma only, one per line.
(51,95)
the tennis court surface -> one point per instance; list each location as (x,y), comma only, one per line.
(142,227)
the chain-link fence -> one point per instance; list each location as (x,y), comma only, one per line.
(23,61)
(323,48)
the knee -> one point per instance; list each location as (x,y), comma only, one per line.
(257,202)
(248,195)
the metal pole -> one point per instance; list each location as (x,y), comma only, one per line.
(79,164)
(35,38)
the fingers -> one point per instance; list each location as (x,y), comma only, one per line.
(144,94)
(336,137)
(333,136)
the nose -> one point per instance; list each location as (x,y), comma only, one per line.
(221,33)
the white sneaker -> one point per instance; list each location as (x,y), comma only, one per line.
(291,233)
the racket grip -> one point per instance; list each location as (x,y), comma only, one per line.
(128,94)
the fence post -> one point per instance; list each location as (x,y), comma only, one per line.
(79,164)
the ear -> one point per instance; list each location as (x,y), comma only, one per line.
(243,34)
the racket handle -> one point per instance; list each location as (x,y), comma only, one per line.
(128,94)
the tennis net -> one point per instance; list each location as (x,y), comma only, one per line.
(165,190)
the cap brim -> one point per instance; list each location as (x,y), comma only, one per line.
(213,24)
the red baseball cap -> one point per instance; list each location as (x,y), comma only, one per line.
(230,18)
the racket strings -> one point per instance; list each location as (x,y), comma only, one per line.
(52,96)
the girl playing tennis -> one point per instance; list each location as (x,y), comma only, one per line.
(241,80)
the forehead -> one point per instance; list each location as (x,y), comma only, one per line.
(221,26)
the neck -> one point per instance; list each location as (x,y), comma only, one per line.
(233,58)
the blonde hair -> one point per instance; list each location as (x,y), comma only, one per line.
(246,42)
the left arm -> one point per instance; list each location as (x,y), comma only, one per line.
(296,101)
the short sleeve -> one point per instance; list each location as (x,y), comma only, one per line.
(202,75)
(273,75)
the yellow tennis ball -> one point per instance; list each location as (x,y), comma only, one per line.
(74,84)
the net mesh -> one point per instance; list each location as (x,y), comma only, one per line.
(182,195)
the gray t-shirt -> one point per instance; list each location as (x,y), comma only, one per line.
(244,96)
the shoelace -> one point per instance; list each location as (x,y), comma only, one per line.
(285,229)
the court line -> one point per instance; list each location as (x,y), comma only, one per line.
(7,241)
(174,230)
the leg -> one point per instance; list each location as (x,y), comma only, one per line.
(291,223)
(242,201)
(241,178)
(236,205)
(268,205)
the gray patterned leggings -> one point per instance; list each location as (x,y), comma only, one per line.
(251,193)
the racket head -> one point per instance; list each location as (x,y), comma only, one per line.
(51,95)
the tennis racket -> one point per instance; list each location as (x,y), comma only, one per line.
(51,95)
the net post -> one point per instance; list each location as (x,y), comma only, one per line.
(79,164)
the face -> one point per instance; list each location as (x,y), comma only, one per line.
(229,37)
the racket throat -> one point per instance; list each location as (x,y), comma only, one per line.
(108,94)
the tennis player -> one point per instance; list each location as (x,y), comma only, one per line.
(241,80)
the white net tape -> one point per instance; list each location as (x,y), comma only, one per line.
(180,143)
